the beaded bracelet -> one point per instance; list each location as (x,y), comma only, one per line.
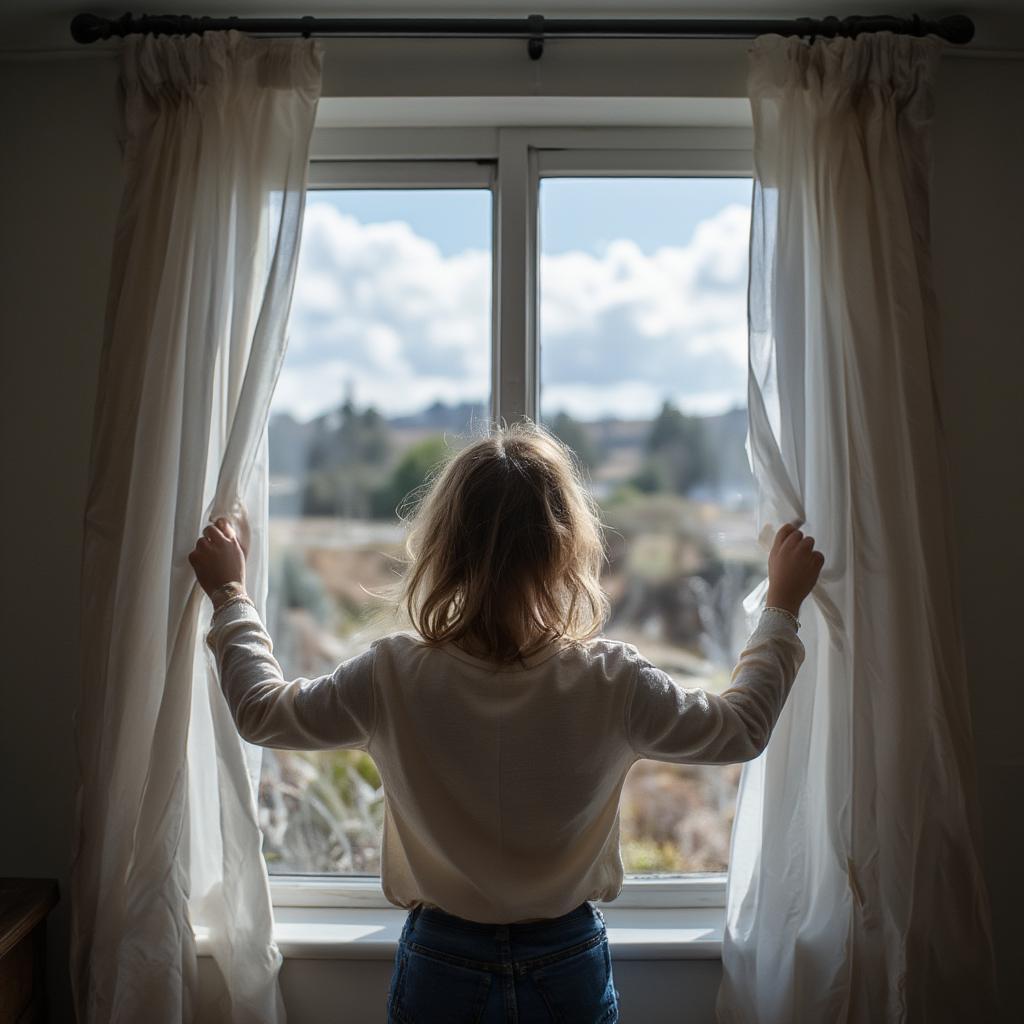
(225,590)
(788,614)
(237,599)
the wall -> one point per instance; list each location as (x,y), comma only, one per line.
(59,189)
(978,224)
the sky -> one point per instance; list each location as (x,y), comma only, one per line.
(643,298)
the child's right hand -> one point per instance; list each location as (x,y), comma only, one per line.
(793,567)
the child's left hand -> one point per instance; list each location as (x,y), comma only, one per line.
(218,557)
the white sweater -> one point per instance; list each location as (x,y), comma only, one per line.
(501,784)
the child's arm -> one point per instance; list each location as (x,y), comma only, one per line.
(336,710)
(666,722)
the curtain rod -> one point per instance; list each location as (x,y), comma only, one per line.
(956,28)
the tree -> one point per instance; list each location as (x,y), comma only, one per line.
(348,437)
(345,491)
(409,474)
(678,453)
(374,436)
(651,478)
(574,434)
(348,456)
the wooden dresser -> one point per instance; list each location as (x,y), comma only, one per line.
(24,904)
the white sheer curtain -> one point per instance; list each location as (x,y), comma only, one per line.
(855,890)
(216,146)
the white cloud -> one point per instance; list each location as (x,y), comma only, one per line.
(625,329)
(382,308)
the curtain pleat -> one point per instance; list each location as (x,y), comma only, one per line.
(855,890)
(216,134)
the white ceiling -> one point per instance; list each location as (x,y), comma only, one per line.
(43,24)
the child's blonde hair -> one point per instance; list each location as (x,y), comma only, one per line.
(506,548)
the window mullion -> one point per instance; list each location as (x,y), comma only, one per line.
(515,385)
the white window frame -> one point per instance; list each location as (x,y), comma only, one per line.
(511,162)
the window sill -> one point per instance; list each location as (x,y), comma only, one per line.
(343,933)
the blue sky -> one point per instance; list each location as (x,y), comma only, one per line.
(643,292)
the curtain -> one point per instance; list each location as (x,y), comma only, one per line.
(216,132)
(855,890)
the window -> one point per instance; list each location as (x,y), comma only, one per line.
(594,279)
(643,374)
(389,353)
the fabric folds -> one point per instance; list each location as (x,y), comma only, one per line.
(216,133)
(855,891)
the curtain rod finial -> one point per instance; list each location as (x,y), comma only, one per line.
(88,28)
(957,28)
(535,45)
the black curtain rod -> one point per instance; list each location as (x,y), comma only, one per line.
(956,28)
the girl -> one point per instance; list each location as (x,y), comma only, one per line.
(503,728)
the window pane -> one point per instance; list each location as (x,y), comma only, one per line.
(389,350)
(644,373)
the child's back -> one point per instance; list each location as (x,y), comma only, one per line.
(503,729)
(502,781)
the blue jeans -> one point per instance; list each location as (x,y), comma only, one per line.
(451,970)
